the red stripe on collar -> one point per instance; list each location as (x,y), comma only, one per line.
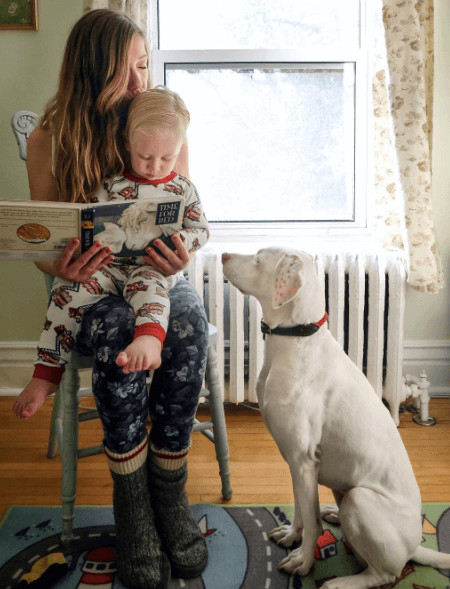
(322,321)
(130,176)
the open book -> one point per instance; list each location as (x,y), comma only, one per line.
(40,230)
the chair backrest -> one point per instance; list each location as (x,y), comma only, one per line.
(23,122)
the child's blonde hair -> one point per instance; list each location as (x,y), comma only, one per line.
(154,109)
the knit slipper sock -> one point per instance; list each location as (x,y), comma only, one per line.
(141,564)
(180,534)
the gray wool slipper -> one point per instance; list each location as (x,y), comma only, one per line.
(141,563)
(180,534)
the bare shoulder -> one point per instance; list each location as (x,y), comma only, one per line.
(40,139)
(39,166)
(182,164)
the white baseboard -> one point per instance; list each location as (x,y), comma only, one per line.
(16,367)
(433,356)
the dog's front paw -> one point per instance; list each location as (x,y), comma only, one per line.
(297,563)
(286,535)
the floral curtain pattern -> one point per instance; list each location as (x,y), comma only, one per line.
(135,9)
(402,100)
(388,218)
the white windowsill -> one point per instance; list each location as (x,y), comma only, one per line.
(312,240)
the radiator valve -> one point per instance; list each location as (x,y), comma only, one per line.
(419,389)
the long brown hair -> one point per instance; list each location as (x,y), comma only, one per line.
(86,114)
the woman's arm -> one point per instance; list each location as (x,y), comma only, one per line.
(43,187)
(39,166)
(40,178)
(182,164)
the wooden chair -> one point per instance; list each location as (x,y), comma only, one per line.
(67,415)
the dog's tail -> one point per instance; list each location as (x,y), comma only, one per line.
(427,556)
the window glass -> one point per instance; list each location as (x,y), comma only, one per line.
(271,142)
(269,24)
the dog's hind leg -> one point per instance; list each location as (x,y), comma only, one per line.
(330,513)
(382,534)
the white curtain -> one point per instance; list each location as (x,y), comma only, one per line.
(403,100)
(135,9)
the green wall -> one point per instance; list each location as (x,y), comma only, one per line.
(29,64)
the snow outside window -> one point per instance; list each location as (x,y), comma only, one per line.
(277,93)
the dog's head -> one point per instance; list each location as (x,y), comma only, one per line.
(284,281)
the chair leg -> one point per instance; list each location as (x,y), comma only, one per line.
(218,419)
(56,426)
(69,450)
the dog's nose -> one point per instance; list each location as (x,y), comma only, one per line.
(225,258)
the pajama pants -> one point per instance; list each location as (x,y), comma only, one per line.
(122,400)
(142,286)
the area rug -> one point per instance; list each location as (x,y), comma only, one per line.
(240,554)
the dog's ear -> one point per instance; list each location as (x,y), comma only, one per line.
(287,279)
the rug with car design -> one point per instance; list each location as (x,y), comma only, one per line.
(241,556)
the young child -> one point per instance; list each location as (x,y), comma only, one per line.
(155,131)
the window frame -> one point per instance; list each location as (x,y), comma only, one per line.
(360,226)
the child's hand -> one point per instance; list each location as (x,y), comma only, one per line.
(170,262)
(84,266)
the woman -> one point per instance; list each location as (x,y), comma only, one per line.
(77,144)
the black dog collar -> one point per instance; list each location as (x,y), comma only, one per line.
(303,330)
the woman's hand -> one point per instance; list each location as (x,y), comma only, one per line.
(85,265)
(170,262)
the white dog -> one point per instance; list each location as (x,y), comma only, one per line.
(112,236)
(136,228)
(330,427)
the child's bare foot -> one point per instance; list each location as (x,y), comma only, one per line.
(144,353)
(32,397)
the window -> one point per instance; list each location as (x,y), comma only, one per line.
(278,98)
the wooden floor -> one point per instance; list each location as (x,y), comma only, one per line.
(258,473)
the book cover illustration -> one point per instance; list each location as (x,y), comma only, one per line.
(128,228)
(36,230)
(39,230)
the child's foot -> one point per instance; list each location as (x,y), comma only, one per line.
(32,397)
(144,353)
